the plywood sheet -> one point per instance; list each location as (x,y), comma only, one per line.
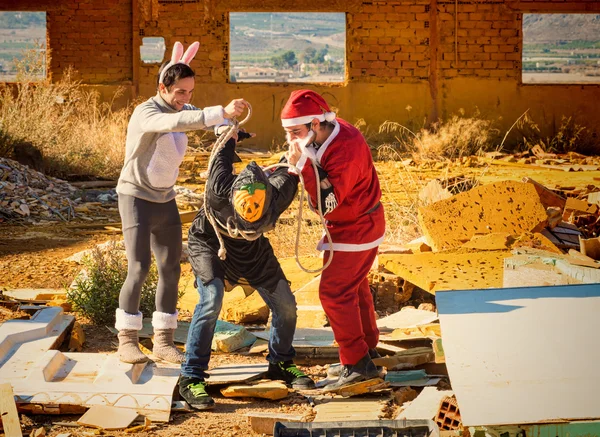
(510,353)
(231,373)
(105,417)
(8,412)
(306,337)
(43,376)
(341,410)
(407,318)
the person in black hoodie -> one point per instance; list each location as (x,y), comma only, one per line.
(250,202)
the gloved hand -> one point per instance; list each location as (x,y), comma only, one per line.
(242,135)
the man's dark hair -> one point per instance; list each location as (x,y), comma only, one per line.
(174,73)
(323,124)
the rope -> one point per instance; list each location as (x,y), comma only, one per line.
(234,232)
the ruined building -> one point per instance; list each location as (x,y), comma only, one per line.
(436,56)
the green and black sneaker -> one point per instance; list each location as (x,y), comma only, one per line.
(290,374)
(193,390)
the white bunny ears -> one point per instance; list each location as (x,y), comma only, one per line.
(178,57)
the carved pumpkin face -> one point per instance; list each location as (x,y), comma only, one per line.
(249,201)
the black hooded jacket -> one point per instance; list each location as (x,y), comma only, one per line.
(247,262)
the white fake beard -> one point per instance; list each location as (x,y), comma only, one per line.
(302,143)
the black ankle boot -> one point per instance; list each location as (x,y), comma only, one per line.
(351,374)
(335,370)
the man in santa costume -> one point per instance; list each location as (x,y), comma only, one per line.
(350,202)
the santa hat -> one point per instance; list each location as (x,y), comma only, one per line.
(303,106)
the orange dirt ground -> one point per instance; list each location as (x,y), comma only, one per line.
(32,256)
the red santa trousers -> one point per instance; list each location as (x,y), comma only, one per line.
(347,301)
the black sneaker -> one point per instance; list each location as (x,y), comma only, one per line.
(335,370)
(364,370)
(290,374)
(193,390)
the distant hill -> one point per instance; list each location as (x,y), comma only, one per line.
(552,28)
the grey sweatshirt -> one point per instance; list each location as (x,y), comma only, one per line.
(156,146)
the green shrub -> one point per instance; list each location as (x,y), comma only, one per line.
(95,293)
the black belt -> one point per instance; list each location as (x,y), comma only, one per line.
(374,208)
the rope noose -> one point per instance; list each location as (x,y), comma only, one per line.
(234,232)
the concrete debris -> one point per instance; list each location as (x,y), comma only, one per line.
(391,291)
(590,247)
(272,390)
(403,395)
(505,206)
(244,305)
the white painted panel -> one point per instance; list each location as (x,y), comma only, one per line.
(523,355)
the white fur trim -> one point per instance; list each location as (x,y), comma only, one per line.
(348,247)
(329,116)
(164,320)
(288,122)
(125,320)
(213,115)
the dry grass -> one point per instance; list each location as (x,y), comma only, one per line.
(569,136)
(453,138)
(74,130)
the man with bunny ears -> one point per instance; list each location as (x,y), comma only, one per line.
(155,148)
(350,202)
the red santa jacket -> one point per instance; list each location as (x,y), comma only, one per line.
(357,222)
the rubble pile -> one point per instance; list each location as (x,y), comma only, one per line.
(30,196)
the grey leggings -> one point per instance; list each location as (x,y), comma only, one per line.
(149,226)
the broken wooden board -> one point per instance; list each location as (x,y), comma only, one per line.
(426,405)
(590,247)
(578,259)
(8,411)
(107,417)
(406,318)
(547,196)
(360,388)
(264,422)
(54,378)
(272,390)
(505,206)
(343,410)
(406,359)
(449,270)
(34,294)
(306,337)
(498,380)
(233,373)
(580,206)
(426,331)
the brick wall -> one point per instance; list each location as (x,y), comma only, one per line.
(481,40)
(389,41)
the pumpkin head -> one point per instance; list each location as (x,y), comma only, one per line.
(249,201)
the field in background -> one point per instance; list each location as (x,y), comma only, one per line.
(20,32)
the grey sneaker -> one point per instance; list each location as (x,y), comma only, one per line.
(336,369)
(351,374)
